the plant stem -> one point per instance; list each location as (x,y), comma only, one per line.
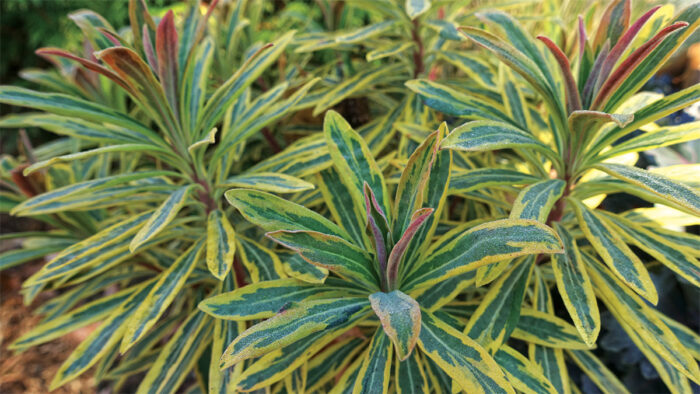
(418,53)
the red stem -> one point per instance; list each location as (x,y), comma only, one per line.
(418,53)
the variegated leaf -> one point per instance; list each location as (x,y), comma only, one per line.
(163,293)
(575,288)
(460,357)
(162,216)
(499,311)
(273,213)
(481,245)
(293,324)
(616,254)
(265,299)
(375,373)
(354,162)
(400,318)
(657,184)
(221,244)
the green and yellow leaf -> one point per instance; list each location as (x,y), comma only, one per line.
(400,318)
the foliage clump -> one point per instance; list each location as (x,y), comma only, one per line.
(258,239)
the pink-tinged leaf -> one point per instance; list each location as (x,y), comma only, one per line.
(622,45)
(203,23)
(166,49)
(573,101)
(90,65)
(628,65)
(588,88)
(613,24)
(111,36)
(378,226)
(419,217)
(148,49)
(582,38)
(138,18)
(147,91)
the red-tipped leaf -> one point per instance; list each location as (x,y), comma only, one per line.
(166,49)
(573,101)
(392,272)
(90,65)
(628,65)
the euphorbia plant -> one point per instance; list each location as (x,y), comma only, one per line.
(373,275)
(149,195)
(584,116)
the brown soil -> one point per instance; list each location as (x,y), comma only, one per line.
(32,370)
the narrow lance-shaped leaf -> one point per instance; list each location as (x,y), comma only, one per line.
(80,188)
(96,249)
(225,95)
(146,89)
(657,184)
(499,311)
(613,23)
(330,252)
(378,226)
(604,378)
(161,217)
(452,102)
(331,361)
(273,213)
(66,105)
(354,161)
(460,357)
(264,299)
(435,196)
(269,182)
(575,288)
(283,361)
(375,372)
(628,65)
(573,101)
(340,203)
(657,58)
(521,373)
(488,243)
(101,340)
(292,324)
(67,322)
(485,135)
(627,307)
(221,245)
(551,361)
(619,48)
(89,64)
(466,181)
(178,356)
(412,184)
(164,291)
(397,252)
(193,83)
(400,318)
(616,254)
(677,258)
(410,375)
(139,19)
(166,50)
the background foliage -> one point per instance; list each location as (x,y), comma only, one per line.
(437,184)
